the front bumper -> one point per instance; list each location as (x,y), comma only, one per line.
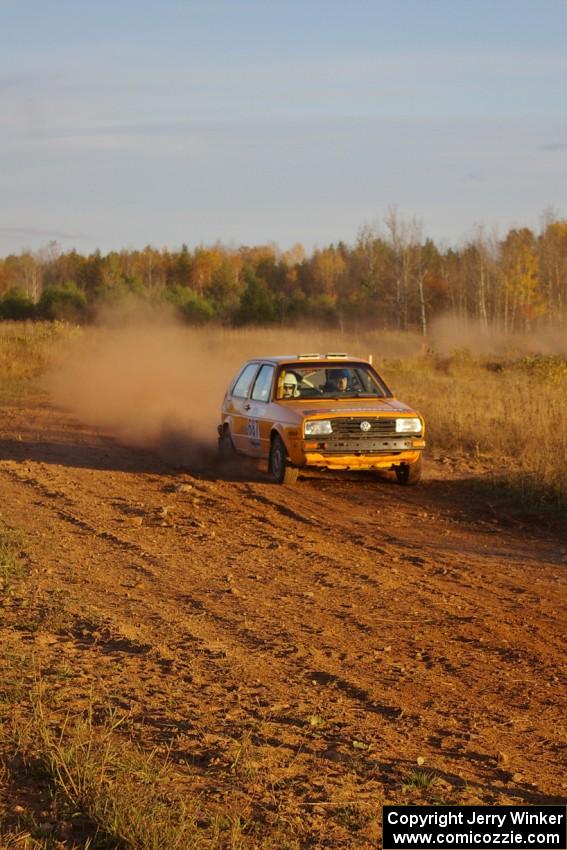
(322,461)
(387,452)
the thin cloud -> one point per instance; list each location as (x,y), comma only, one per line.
(16,81)
(34,232)
(555,146)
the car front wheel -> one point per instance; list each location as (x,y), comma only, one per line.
(409,474)
(278,464)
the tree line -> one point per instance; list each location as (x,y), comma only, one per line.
(391,277)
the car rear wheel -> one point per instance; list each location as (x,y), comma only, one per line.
(227,451)
(409,474)
(278,464)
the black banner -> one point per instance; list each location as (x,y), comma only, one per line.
(480,827)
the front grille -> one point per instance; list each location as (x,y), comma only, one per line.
(349,438)
(380,426)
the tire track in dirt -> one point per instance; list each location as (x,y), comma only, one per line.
(324,677)
(532,659)
(247,637)
(375,580)
(250,637)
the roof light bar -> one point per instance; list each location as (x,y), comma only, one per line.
(336,355)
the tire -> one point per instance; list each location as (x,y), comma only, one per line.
(227,452)
(278,464)
(409,474)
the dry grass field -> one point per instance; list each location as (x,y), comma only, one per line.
(504,418)
(194,660)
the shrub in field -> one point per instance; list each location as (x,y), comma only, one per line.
(16,305)
(191,307)
(64,301)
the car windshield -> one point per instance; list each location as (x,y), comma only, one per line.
(337,381)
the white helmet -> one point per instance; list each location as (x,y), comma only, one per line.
(290,380)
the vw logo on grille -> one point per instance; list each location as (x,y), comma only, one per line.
(365,426)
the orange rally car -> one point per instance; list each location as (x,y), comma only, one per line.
(326,411)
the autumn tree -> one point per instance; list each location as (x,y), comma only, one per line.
(257,302)
(552,252)
(523,299)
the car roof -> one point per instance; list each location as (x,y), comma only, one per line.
(335,359)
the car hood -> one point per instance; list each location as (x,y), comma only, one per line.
(332,407)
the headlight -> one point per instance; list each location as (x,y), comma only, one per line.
(317,426)
(408,425)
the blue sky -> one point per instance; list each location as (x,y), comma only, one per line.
(131,123)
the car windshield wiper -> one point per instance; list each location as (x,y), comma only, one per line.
(351,395)
(367,395)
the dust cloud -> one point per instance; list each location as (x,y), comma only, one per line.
(449,333)
(155,386)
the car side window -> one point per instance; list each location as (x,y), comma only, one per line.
(263,384)
(242,385)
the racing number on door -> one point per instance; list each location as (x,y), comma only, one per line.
(253,430)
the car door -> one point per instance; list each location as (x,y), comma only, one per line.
(238,407)
(259,425)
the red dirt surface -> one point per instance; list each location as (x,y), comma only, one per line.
(294,650)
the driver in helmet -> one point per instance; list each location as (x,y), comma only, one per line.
(342,379)
(337,381)
(290,388)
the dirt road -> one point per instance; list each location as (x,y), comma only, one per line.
(299,651)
